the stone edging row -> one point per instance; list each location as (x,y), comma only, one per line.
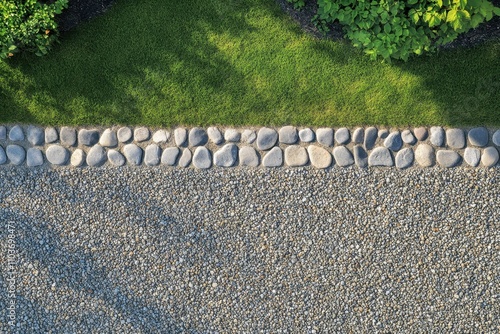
(268,147)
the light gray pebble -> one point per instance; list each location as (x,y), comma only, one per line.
(185,158)
(124,134)
(266,138)
(202,158)
(306,135)
(274,158)
(133,154)
(77,158)
(489,158)
(180,136)
(296,156)
(36,135)
(215,135)
(393,141)
(248,157)
(226,156)
(408,137)
(342,136)
(496,138)
(425,156)
(371,134)
(16,133)
(3,132)
(358,136)
(437,136)
(51,135)
(343,157)
(383,133)
(478,137)
(448,158)
(360,156)
(319,157)
(152,155)
(472,156)
(169,156)
(455,138)
(108,138)
(161,136)
(57,155)
(248,136)
(324,136)
(68,136)
(232,135)
(404,158)
(116,158)
(34,157)
(141,134)
(88,137)
(96,156)
(3,156)
(288,135)
(197,137)
(420,133)
(380,156)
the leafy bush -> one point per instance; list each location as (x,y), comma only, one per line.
(28,25)
(398,29)
(297,4)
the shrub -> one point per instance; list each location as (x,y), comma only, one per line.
(297,4)
(398,29)
(28,25)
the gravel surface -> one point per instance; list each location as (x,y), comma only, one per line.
(149,250)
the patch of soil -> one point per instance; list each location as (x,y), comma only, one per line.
(79,11)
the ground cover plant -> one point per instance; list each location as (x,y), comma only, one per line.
(238,62)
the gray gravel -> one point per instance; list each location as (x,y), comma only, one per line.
(303,250)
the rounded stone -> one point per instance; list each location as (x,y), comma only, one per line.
(34,157)
(288,135)
(36,135)
(161,136)
(202,158)
(108,138)
(141,134)
(424,155)
(358,136)
(306,135)
(266,138)
(180,136)
(478,137)
(248,136)
(68,136)
(408,137)
(360,156)
(393,141)
(3,156)
(489,157)
(152,155)
(51,135)
(16,133)
(77,158)
(320,157)
(383,133)
(133,154)
(448,158)
(472,156)
(342,136)
(197,137)
(420,133)
(274,158)
(437,136)
(343,157)
(371,135)
(116,158)
(96,156)
(215,135)
(455,138)
(232,135)
(185,158)
(496,138)
(3,132)
(380,156)
(124,134)
(404,158)
(248,156)
(324,136)
(88,137)
(57,155)
(226,156)
(296,156)
(169,156)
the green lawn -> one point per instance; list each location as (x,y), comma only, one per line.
(238,62)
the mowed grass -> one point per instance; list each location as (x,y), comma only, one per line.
(238,62)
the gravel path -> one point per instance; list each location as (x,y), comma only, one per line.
(149,250)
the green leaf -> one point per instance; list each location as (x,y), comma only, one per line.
(452,15)
(387,28)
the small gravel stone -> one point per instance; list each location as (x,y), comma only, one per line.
(371,134)
(408,137)
(342,136)
(496,138)
(274,158)
(51,135)
(455,138)
(16,133)
(232,135)
(393,141)
(77,158)
(383,133)
(169,156)
(197,137)
(161,136)
(34,157)
(478,137)
(116,158)
(3,132)
(3,156)
(306,135)
(180,136)
(324,136)
(420,133)
(96,156)
(448,158)
(266,138)
(68,136)
(141,134)
(185,158)
(124,134)
(424,155)
(343,157)
(296,156)
(108,138)
(133,154)
(288,135)
(358,136)
(226,156)
(489,157)
(380,156)
(472,156)
(360,156)
(320,157)
(248,136)
(57,155)
(248,156)
(215,135)
(202,158)
(88,137)
(437,136)
(152,155)
(36,135)
(404,158)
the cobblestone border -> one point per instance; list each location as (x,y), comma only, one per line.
(201,148)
